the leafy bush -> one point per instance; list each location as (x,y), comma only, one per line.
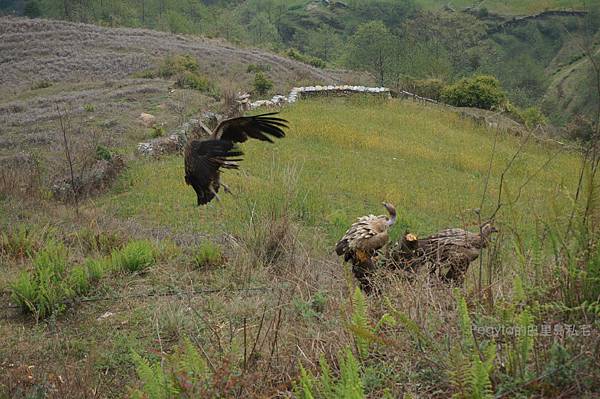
(258,68)
(191,80)
(157,131)
(135,256)
(41,84)
(208,254)
(533,117)
(481,91)
(89,107)
(307,59)
(103,153)
(262,84)
(173,65)
(429,88)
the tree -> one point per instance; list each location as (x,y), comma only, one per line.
(261,30)
(371,48)
(32,9)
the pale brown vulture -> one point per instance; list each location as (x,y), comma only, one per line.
(447,253)
(362,240)
(204,157)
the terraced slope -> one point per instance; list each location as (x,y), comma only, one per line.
(32,50)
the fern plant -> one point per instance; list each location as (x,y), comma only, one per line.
(472,365)
(134,257)
(348,384)
(43,290)
(365,334)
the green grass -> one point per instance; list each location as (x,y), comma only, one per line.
(340,160)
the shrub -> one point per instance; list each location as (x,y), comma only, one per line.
(89,107)
(208,254)
(41,84)
(481,91)
(103,153)
(429,88)
(173,65)
(262,84)
(258,68)
(157,131)
(135,256)
(533,117)
(191,80)
(307,59)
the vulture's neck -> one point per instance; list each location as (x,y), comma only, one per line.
(392,219)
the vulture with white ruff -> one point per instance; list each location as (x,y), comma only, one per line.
(362,240)
(205,157)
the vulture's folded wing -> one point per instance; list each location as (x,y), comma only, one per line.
(203,159)
(261,127)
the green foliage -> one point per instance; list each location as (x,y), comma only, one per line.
(307,59)
(252,68)
(192,80)
(348,385)
(481,91)
(18,242)
(48,288)
(360,321)
(157,131)
(262,84)
(103,153)
(136,256)
(32,9)
(470,366)
(177,64)
(89,107)
(155,383)
(428,88)
(44,290)
(371,49)
(312,308)
(41,84)
(208,255)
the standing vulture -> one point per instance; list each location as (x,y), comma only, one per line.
(450,252)
(362,240)
(204,157)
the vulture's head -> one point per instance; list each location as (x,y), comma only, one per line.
(487,229)
(392,211)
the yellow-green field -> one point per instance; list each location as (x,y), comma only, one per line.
(341,159)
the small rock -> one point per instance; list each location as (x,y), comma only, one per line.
(147,120)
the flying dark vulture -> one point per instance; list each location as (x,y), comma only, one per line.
(362,240)
(205,157)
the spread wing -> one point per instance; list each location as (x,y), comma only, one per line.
(203,160)
(261,127)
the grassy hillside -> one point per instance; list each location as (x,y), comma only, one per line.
(341,159)
(232,298)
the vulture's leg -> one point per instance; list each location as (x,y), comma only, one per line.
(226,189)
(212,190)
